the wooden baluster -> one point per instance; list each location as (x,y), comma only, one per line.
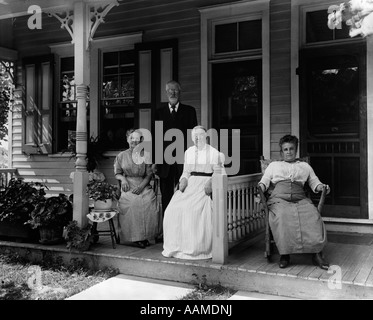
(238,213)
(230,220)
(243,220)
(234,215)
(251,209)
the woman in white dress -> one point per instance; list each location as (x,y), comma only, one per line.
(187,224)
(139,215)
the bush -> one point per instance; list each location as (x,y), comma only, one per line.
(19,199)
(53,212)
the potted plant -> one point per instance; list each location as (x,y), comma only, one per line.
(50,216)
(78,238)
(103,194)
(17,201)
(95,150)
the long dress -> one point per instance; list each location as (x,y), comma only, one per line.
(296,224)
(139,215)
(187,224)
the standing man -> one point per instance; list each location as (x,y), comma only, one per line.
(174,115)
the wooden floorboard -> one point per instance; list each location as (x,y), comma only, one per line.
(355,262)
(365,270)
(369,281)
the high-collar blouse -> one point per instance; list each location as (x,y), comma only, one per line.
(297,171)
(206,160)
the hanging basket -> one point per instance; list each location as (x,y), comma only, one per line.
(102,205)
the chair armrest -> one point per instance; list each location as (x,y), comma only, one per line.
(263,198)
(322,200)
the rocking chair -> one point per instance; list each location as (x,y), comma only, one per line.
(269,241)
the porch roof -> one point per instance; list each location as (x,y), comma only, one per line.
(17,8)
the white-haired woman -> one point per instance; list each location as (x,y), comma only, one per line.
(139,215)
(187,224)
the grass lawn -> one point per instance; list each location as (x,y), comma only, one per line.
(21,280)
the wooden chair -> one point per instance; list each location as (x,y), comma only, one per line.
(269,241)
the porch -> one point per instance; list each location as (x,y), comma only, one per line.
(350,257)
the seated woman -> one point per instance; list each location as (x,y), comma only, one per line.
(295,222)
(139,214)
(187,224)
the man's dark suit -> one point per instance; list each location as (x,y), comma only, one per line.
(185,118)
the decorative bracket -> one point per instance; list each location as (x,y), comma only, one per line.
(66,22)
(97,13)
(9,69)
(99,17)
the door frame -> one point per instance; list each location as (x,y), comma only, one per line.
(258,8)
(296,28)
(354,49)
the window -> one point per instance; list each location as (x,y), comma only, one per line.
(67,103)
(238,36)
(38,75)
(318,31)
(117,97)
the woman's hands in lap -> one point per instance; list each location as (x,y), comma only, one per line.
(125,185)
(183,184)
(208,188)
(137,190)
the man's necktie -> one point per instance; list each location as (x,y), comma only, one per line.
(173,112)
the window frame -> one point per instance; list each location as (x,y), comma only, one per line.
(236,53)
(41,141)
(303,27)
(97,46)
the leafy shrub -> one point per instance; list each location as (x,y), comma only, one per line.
(19,199)
(78,238)
(53,212)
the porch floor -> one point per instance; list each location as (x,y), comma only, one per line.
(350,275)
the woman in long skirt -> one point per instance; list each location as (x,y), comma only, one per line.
(187,224)
(139,215)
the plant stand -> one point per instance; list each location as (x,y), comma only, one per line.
(99,216)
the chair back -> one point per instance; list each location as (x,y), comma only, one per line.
(264,163)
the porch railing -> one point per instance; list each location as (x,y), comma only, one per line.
(5,175)
(237,215)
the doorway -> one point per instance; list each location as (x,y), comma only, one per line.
(237,104)
(333,124)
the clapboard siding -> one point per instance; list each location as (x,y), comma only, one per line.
(280,24)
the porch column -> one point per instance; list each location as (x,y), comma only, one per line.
(219,220)
(369,40)
(81,68)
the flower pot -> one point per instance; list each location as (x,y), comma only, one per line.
(51,235)
(102,205)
